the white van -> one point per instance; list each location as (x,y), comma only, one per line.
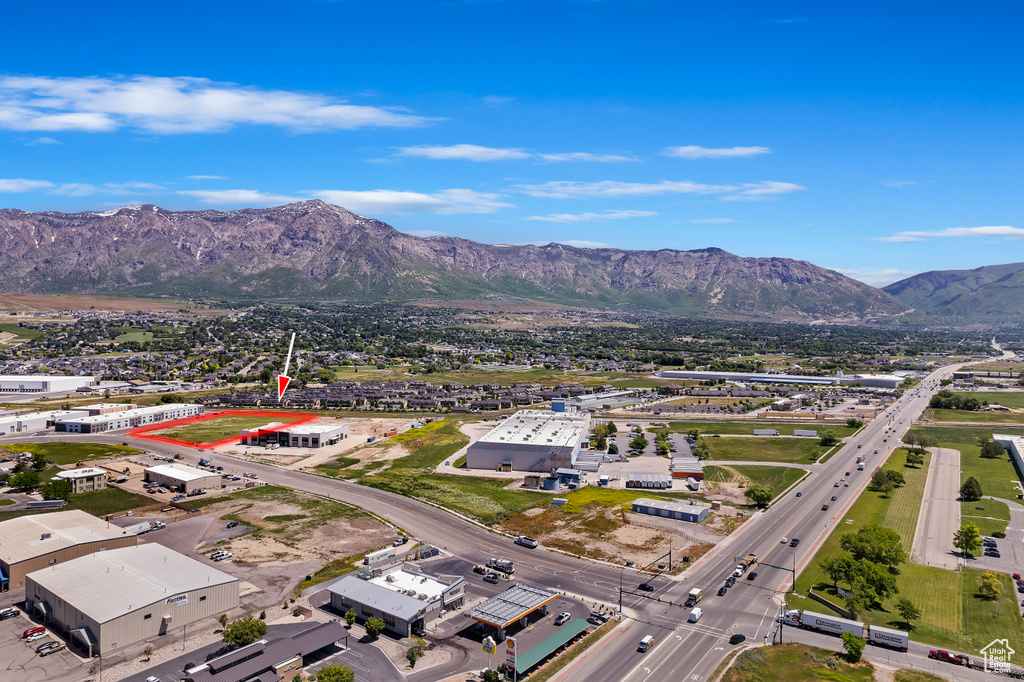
(645,643)
(696,614)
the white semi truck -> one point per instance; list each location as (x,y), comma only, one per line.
(875,634)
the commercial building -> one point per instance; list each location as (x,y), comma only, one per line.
(181,477)
(129,419)
(300,435)
(29,543)
(1014,445)
(667,509)
(872,380)
(275,659)
(35,421)
(404,597)
(749,377)
(42,383)
(514,605)
(109,600)
(531,440)
(85,479)
(687,467)
(606,401)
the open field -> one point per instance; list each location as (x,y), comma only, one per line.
(1006,399)
(746,428)
(136,335)
(429,445)
(997,476)
(766,449)
(976,417)
(71,452)
(98,503)
(21,333)
(998,367)
(933,590)
(989,516)
(30,303)
(777,479)
(505,376)
(796,663)
(212,430)
(915,676)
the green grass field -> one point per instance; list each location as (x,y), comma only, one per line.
(766,449)
(747,428)
(988,515)
(776,478)
(98,503)
(429,445)
(212,430)
(977,417)
(1014,400)
(71,452)
(997,476)
(933,590)
(796,663)
(23,333)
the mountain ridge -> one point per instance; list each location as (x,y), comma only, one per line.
(991,294)
(313,249)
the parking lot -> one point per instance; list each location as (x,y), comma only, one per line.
(20,661)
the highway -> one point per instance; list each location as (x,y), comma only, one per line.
(682,651)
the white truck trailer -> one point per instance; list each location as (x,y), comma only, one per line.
(823,623)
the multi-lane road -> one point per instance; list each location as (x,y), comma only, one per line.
(683,651)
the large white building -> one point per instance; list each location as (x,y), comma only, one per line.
(1014,445)
(182,478)
(129,419)
(42,383)
(108,600)
(299,436)
(35,421)
(531,440)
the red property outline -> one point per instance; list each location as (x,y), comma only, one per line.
(144,431)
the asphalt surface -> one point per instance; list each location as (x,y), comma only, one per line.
(939,517)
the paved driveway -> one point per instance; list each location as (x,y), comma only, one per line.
(940,512)
(1011,548)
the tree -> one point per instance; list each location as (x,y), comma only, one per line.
(887,488)
(923,442)
(223,620)
(827,438)
(416,651)
(895,477)
(24,480)
(244,631)
(837,569)
(971,491)
(612,428)
(350,616)
(613,448)
(914,459)
(700,449)
(490,676)
(854,423)
(759,495)
(38,461)
(56,490)
(992,450)
(875,544)
(908,611)
(335,673)
(374,626)
(989,587)
(854,646)
(967,539)
(878,479)
(638,443)
(148,652)
(694,434)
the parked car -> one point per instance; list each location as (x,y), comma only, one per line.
(992,553)
(603,617)
(1016,577)
(646,587)
(562,618)
(491,578)
(479,569)
(32,631)
(737,638)
(232,524)
(49,648)
(8,613)
(38,635)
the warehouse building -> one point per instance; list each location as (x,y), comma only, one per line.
(872,380)
(181,477)
(402,595)
(749,377)
(531,440)
(85,479)
(129,419)
(36,421)
(670,510)
(29,543)
(687,467)
(109,600)
(42,383)
(300,435)
(1014,445)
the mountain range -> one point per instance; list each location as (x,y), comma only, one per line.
(317,251)
(989,295)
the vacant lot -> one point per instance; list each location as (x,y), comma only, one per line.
(217,428)
(977,417)
(429,445)
(746,428)
(766,449)
(97,502)
(72,452)
(998,477)
(796,662)
(777,479)
(1014,400)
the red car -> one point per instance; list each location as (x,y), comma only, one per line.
(943,655)
(1016,577)
(32,631)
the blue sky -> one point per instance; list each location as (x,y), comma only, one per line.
(880,139)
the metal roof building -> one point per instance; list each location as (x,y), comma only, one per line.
(671,510)
(42,383)
(749,378)
(531,440)
(515,603)
(28,543)
(182,477)
(129,419)
(111,599)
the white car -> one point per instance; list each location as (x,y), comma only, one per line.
(783,541)
(38,635)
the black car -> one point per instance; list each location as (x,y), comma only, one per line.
(992,553)
(232,524)
(722,590)
(794,542)
(833,498)
(752,575)
(646,587)
(799,494)
(737,638)
(824,507)
(730,581)
(4,615)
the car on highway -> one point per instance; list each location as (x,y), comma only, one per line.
(752,575)
(730,581)
(737,638)
(645,643)
(722,590)
(491,578)
(943,655)
(562,618)
(846,485)
(833,498)
(824,507)
(794,542)
(646,587)
(836,484)
(784,541)
(799,494)
(152,679)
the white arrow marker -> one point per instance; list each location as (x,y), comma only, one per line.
(283,379)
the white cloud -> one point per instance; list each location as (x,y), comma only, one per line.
(205,177)
(587,157)
(128,187)
(697,152)
(177,105)
(238,197)
(713,221)
(565,189)
(42,140)
(497,100)
(465,152)
(900,184)
(426,233)
(19,185)
(878,278)
(386,201)
(75,189)
(589,217)
(985,231)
